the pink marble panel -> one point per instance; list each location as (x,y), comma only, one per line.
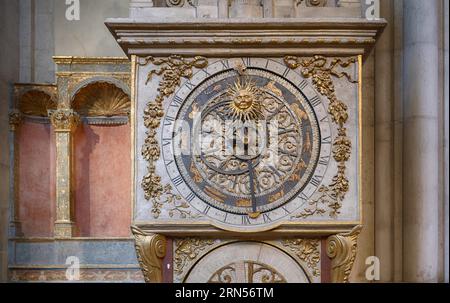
(36,175)
(102,180)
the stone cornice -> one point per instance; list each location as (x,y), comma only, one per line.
(252,37)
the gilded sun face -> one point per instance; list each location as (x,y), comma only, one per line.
(245,101)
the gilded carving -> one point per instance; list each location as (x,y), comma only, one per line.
(341,249)
(36,103)
(171,70)
(15,118)
(253,272)
(64,119)
(150,250)
(180,3)
(101,99)
(187,250)
(176,205)
(312,2)
(307,250)
(321,70)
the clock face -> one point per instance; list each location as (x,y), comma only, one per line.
(246,141)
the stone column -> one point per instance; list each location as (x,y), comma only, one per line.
(384,146)
(15,119)
(421,141)
(446,142)
(64,122)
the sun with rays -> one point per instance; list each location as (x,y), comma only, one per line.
(245,101)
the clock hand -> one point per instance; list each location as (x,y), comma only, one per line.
(254,214)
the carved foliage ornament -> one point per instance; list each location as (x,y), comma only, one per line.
(171,70)
(150,250)
(306,250)
(187,250)
(322,70)
(341,249)
(15,118)
(64,119)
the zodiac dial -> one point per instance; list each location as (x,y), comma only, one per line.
(246,146)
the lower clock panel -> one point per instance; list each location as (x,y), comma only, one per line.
(202,260)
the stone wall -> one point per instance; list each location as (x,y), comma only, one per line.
(9,73)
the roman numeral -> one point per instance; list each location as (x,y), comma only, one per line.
(190,197)
(177,181)
(286,72)
(225,64)
(315,101)
(326,140)
(303,84)
(324,119)
(206,210)
(168,121)
(189,85)
(285,209)
(168,162)
(177,101)
(247,61)
(166,142)
(266,218)
(206,72)
(245,220)
(324,160)
(303,196)
(315,181)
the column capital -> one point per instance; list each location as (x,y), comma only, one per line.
(64,120)
(15,119)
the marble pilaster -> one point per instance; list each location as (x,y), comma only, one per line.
(15,119)
(64,122)
(384,146)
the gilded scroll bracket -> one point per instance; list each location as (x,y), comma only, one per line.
(150,251)
(341,249)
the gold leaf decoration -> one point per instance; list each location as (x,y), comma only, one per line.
(36,103)
(150,250)
(321,70)
(171,70)
(187,250)
(341,249)
(15,118)
(306,250)
(101,99)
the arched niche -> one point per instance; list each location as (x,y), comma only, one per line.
(36,103)
(34,149)
(102,159)
(101,99)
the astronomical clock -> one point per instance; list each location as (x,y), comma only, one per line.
(247,149)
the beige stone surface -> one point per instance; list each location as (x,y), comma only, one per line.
(366,246)
(384,146)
